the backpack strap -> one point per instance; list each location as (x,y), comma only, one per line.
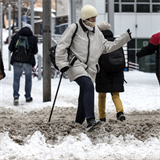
(75,58)
(74,34)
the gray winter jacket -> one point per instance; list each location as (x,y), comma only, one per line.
(87,47)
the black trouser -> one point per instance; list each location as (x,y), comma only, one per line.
(85,100)
(158,75)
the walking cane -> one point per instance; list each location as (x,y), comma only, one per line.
(55,97)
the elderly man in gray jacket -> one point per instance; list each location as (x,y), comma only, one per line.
(87,46)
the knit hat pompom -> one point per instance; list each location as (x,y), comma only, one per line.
(88,11)
(104,26)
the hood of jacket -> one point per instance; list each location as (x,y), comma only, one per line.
(107,34)
(25,31)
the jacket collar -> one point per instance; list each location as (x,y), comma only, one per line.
(84,28)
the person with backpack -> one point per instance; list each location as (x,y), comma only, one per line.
(110,79)
(82,62)
(2,73)
(24,47)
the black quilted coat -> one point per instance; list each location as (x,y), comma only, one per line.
(109,81)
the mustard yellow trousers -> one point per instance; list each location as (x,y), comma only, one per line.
(102,103)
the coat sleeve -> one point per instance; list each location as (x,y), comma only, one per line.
(61,49)
(148,50)
(110,46)
(151,47)
(35,47)
(12,43)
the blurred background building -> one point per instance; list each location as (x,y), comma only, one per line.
(142,17)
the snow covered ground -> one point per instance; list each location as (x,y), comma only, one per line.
(141,96)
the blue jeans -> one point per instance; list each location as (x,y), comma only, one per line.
(85,100)
(18,68)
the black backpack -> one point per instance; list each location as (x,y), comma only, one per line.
(53,49)
(114,61)
(21,53)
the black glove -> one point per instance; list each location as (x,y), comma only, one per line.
(129,32)
(64,69)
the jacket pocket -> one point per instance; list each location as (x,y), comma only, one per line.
(72,61)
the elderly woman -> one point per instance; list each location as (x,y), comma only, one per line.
(82,62)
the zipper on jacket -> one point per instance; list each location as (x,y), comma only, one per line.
(88,48)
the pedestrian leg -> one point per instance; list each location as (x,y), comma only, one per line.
(102,105)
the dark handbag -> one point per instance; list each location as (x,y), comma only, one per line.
(53,50)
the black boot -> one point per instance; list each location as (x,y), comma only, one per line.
(120,116)
(103,119)
(16,101)
(92,124)
(29,99)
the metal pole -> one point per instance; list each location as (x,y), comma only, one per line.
(19,14)
(32,15)
(111,14)
(9,34)
(51,26)
(69,12)
(73,11)
(46,46)
(1,22)
(39,67)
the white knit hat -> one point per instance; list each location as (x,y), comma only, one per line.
(28,26)
(104,26)
(88,11)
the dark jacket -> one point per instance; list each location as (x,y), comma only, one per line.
(152,47)
(109,81)
(32,40)
(1,65)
